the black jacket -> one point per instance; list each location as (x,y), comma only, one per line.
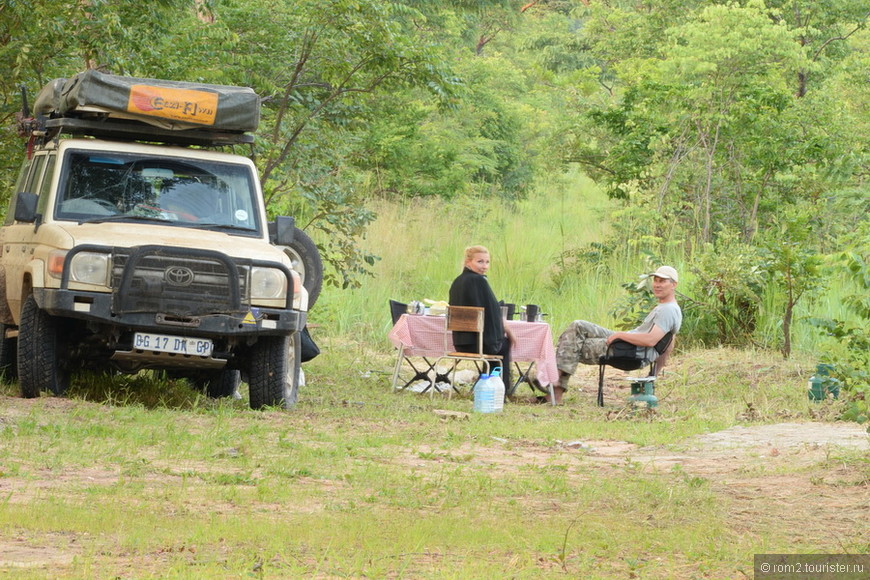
(472,289)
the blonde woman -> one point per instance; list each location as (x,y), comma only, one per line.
(471,288)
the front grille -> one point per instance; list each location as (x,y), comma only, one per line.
(179,282)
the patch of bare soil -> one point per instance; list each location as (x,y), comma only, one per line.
(800,477)
(18,553)
(791,476)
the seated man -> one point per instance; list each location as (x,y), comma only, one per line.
(584,342)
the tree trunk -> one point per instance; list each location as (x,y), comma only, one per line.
(786,329)
(802,84)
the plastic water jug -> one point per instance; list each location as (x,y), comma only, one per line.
(498,390)
(484,395)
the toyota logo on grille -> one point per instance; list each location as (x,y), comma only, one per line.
(178,276)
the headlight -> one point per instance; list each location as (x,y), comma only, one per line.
(268,283)
(90,268)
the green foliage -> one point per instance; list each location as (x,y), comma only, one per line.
(706,120)
(848,349)
(792,262)
(705,117)
(639,301)
(729,280)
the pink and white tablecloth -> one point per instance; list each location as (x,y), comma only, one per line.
(421,335)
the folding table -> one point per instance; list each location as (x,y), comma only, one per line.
(423,336)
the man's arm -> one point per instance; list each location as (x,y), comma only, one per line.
(650,338)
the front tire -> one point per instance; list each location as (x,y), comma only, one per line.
(41,366)
(219,384)
(267,371)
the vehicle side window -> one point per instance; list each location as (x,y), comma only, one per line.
(45,184)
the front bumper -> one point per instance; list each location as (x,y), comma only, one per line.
(97,308)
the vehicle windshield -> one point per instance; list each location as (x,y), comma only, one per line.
(99,186)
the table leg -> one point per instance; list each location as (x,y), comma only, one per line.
(522,377)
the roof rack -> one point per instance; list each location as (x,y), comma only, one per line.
(125,130)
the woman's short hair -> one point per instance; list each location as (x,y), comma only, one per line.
(471,250)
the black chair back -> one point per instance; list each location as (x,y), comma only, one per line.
(397,309)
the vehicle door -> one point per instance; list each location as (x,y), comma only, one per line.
(17,239)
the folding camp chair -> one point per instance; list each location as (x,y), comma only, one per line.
(628,357)
(465,319)
(397,309)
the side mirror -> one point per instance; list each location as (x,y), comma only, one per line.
(25,207)
(285,228)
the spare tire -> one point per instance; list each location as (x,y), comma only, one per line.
(306,260)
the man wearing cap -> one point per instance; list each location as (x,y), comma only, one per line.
(585,342)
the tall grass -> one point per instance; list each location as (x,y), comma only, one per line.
(420,243)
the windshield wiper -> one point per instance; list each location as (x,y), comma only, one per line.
(203,226)
(121,217)
(184,224)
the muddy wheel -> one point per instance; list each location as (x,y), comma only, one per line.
(219,384)
(8,354)
(41,364)
(267,371)
(306,260)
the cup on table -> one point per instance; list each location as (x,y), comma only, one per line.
(532,311)
(507,311)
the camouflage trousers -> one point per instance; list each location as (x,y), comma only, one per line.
(582,342)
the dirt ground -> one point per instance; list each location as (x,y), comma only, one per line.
(787,476)
(800,477)
(772,477)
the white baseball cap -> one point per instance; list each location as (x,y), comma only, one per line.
(666,272)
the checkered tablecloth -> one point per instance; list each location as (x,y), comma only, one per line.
(421,335)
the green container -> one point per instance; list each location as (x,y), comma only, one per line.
(643,393)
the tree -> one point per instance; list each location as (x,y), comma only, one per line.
(709,122)
(318,65)
(792,262)
(823,27)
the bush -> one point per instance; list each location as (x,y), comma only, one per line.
(729,279)
(848,350)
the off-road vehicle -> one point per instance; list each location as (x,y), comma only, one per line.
(137,238)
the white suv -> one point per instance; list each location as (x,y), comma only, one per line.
(120,255)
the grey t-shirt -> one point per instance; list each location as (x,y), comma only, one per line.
(667,316)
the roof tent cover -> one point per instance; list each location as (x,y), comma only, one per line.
(167,104)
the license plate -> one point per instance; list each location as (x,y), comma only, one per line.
(173,344)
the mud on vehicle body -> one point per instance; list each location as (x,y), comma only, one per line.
(131,243)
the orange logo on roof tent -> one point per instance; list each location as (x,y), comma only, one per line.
(198,107)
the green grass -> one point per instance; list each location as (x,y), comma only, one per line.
(358,481)
(421,247)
